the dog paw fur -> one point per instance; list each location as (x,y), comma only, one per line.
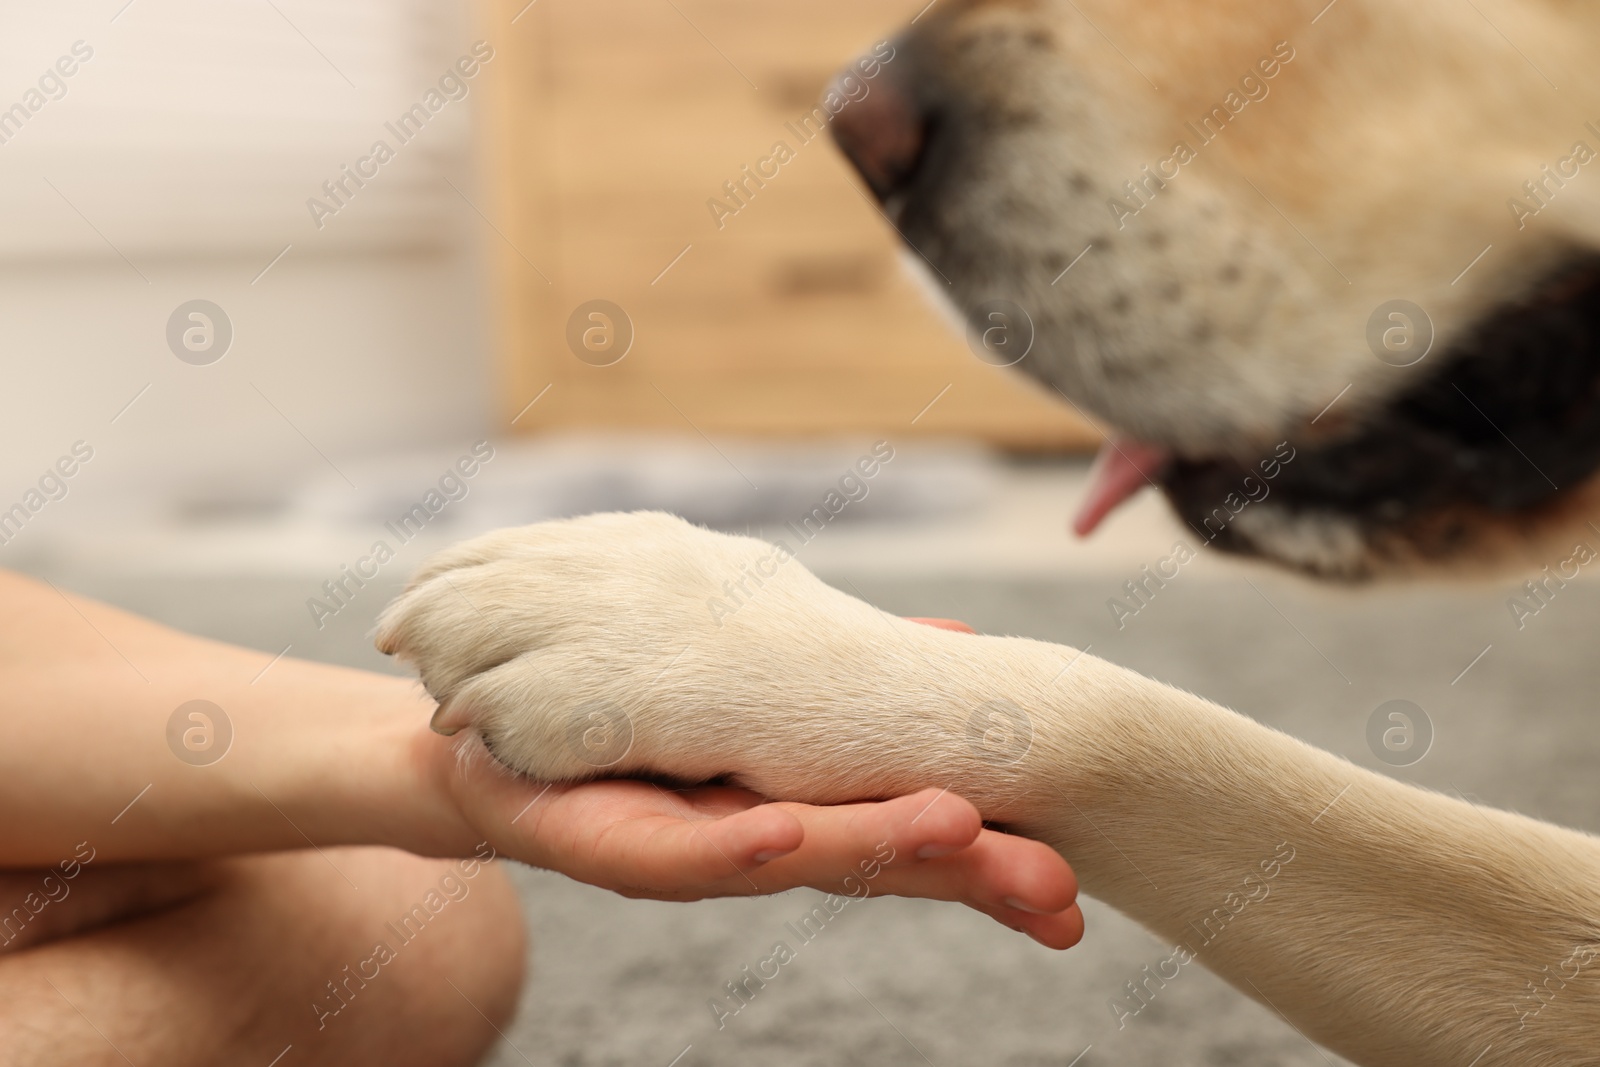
(625,644)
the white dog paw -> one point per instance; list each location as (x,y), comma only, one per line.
(636,643)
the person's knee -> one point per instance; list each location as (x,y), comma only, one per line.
(348,954)
(485,954)
(448,954)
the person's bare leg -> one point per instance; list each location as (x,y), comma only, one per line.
(234,964)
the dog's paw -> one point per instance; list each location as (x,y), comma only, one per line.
(636,643)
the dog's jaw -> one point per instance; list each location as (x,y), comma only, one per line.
(1484,448)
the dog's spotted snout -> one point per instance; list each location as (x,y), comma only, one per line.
(883,133)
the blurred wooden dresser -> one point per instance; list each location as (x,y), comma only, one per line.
(605,129)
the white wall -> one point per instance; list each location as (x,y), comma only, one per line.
(357,355)
(176,166)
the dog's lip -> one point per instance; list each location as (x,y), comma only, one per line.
(1123,468)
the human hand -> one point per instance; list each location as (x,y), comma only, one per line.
(641,840)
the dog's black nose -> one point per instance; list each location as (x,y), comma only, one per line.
(882,133)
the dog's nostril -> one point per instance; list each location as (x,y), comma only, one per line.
(882,133)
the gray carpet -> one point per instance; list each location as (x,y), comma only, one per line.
(619,982)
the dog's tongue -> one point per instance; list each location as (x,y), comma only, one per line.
(1122,468)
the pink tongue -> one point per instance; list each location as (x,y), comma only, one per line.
(1122,468)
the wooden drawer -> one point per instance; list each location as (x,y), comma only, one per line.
(608,125)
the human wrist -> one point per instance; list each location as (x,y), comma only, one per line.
(402,796)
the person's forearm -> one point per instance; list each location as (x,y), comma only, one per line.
(319,755)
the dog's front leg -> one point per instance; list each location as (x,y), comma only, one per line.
(1400,927)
